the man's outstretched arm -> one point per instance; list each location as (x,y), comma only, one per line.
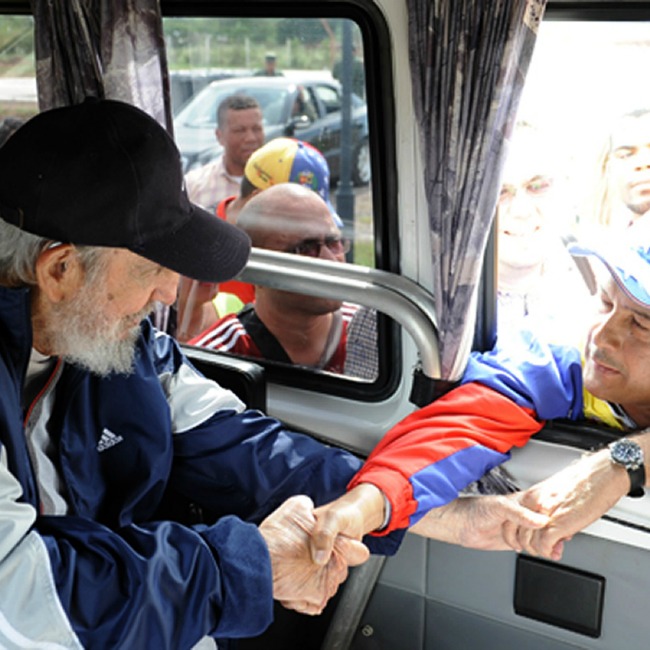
(427,459)
(475,521)
(573,498)
(479,522)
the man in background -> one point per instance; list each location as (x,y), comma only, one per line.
(240,131)
(540,286)
(269,69)
(281,325)
(281,160)
(623,192)
(358,74)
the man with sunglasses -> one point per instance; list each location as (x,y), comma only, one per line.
(281,160)
(281,325)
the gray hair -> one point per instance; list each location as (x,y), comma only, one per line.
(19,251)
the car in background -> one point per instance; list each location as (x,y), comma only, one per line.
(186,83)
(308,109)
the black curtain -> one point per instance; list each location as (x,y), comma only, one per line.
(469,59)
(112,49)
(105,48)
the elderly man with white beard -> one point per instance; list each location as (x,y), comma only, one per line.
(141,504)
(103,422)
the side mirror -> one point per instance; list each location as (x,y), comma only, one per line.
(299,122)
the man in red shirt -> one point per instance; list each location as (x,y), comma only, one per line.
(281,160)
(281,325)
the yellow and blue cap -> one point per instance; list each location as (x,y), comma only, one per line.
(288,160)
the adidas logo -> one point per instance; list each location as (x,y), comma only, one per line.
(108,440)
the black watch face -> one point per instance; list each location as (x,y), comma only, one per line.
(627,453)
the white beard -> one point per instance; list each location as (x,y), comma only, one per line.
(81,333)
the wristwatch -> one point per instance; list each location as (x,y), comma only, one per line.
(629,454)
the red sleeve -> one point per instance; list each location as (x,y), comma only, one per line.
(424,460)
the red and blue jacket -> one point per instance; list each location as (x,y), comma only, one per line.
(505,397)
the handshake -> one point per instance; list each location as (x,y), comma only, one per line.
(311,548)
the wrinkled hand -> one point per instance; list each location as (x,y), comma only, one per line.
(479,521)
(359,511)
(299,583)
(573,498)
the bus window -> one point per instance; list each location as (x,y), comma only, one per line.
(210,58)
(570,170)
(292,68)
(17,62)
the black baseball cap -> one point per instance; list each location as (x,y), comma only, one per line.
(105,173)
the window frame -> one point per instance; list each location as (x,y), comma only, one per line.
(381,118)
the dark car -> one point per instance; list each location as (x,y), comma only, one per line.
(186,83)
(307,109)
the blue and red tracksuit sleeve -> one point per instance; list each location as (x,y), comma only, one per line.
(505,398)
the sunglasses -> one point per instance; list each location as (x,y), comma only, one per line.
(336,244)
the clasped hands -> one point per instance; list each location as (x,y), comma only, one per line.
(304,579)
(538,520)
(311,549)
(572,499)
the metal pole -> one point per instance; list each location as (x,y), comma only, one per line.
(344,192)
